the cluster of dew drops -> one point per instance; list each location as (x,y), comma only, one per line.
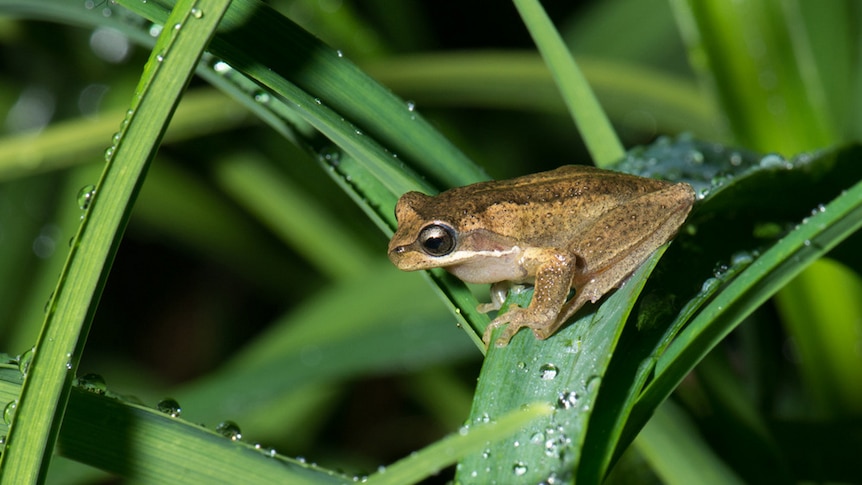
(23,361)
(95,383)
(554,439)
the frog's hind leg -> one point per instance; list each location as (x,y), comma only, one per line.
(611,262)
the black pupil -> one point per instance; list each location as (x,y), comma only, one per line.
(434,243)
(437,240)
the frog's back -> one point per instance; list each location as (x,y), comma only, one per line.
(546,208)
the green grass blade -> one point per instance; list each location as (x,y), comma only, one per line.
(470,439)
(321,86)
(42,403)
(369,133)
(521,81)
(565,371)
(147,446)
(757,60)
(831,369)
(77,141)
(275,201)
(677,453)
(595,128)
(725,228)
(294,352)
(766,275)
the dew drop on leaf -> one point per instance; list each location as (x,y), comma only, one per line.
(170,407)
(229,430)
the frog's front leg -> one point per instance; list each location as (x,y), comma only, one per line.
(554,274)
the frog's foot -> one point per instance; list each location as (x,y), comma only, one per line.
(542,323)
(487,307)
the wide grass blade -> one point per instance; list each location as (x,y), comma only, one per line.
(566,372)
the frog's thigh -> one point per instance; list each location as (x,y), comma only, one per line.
(636,228)
(656,216)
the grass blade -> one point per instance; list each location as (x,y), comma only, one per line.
(594,126)
(766,275)
(565,371)
(471,439)
(47,384)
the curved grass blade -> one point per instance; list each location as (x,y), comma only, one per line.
(313,86)
(728,222)
(766,275)
(29,444)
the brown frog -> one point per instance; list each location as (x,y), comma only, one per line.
(574,227)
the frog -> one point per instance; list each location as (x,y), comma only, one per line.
(576,227)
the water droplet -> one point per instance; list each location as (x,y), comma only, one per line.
(26,358)
(548,372)
(230,430)
(741,258)
(93,383)
(695,157)
(593,384)
(537,437)
(573,347)
(155,30)
(709,285)
(568,400)
(197,13)
(109,153)
(411,106)
(9,411)
(519,469)
(178,26)
(261,97)
(170,407)
(339,53)
(222,67)
(773,161)
(160,57)
(330,155)
(85,196)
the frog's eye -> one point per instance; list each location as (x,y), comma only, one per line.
(437,240)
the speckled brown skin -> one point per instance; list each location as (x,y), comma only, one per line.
(574,227)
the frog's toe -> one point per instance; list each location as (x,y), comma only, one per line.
(487,307)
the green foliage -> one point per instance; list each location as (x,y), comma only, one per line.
(271,183)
